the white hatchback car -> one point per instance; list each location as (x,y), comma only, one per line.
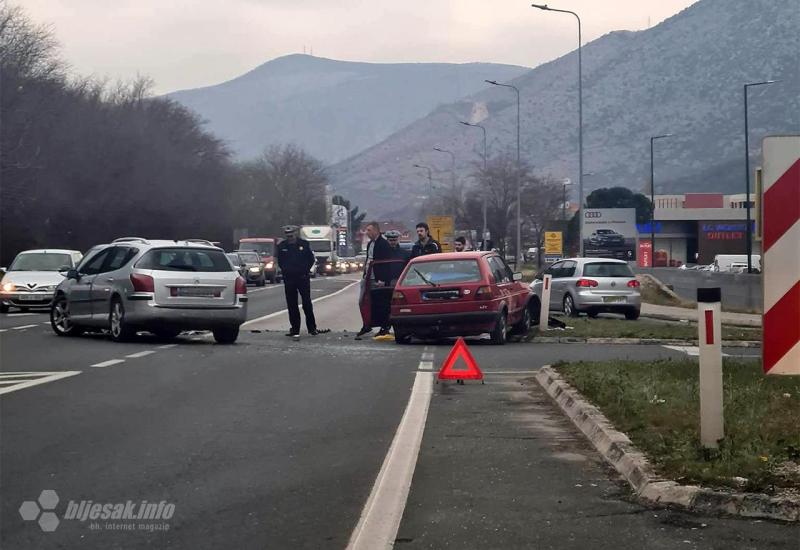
(31,279)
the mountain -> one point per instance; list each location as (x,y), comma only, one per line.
(684,76)
(333,109)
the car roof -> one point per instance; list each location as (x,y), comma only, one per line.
(449,256)
(50,251)
(593,260)
(257,240)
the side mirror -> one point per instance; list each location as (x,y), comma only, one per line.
(517,276)
(72,274)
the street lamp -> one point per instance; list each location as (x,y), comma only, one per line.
(452,176)
(653,202)
(483,233)
(580,118)
(519,194)
(430,179)
(747,175)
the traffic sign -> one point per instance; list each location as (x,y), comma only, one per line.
(781,258)
(442,228)
(553,243)
(449,370)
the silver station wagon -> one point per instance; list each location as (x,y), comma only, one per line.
(163,287)
(591,285)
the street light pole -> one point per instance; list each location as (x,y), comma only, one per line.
(483,233)
(748,229)
(452,177)
(580,120)
(653,202)
(430,179)
(519,193)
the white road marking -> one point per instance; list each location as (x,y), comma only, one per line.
(22,315)
(33,379)
(109,363)
(284,311)
(691,351)
(140,354)
(167,346)
(380,519)
(3,329)
(271,287)
(23,327)
(426,365)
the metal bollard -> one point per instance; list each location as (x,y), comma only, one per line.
(710,339)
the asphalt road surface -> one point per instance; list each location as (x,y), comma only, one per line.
(276,444)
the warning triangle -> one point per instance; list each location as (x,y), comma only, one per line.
(449,370)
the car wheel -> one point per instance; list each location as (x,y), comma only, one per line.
(3,308)
(119,329)
(500,328)
(227,335)
(60,318)
(632,314)
(535,308)
(569,306)
(402,337)
(524,325)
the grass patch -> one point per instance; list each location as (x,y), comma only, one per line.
(605,327)
(656,404)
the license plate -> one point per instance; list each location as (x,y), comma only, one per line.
(614,299)
(192,292)
(29,298)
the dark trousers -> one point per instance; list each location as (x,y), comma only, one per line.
(293,286)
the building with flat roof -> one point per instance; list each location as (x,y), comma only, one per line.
(695,227)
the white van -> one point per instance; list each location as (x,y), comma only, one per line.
(724,262)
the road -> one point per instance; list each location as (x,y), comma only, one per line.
(271,443)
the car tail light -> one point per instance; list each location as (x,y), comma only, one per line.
(633,283)
(142,283)
(483,293)
(398,297)
(241,286)
(586,283)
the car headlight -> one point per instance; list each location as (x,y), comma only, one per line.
(269,265)
(328,267)
(254,270)
(9,287)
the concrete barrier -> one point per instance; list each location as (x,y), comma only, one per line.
(739,290)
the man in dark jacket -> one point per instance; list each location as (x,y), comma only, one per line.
(426,244)
(380,274)
(295,258)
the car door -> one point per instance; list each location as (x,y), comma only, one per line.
(555,297)
(105,280)
(502,281)
(518,292)
(564,282)
(80,289)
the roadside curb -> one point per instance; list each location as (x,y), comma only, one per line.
(727,322)
(638,341)
(631,463)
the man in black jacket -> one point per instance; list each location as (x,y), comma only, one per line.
(378,249)
(295,258)
(426,244)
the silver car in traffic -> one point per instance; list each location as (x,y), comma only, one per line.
(31,279)
(163,287)
(592,286)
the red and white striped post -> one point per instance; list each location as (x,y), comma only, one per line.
(710,338)
(544,311)
(780,260)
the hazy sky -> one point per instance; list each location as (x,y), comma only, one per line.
(192,43)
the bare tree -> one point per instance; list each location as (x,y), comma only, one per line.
(541,203)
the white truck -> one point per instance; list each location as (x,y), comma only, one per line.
(732,263)
(322,239)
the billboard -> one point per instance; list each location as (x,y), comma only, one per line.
(442,230)
(553,243)
(339,215)
(609,233)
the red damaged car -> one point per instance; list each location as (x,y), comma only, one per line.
(460,294)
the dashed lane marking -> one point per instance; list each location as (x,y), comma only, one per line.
(140,354)
(23,327)
(109,363)
(167,346)
(20,380)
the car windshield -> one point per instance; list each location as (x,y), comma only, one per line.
(442,272)
(249,257)
(234,258)
(40,261)
(607,269)
(184,259)
(320,246)
(265,248)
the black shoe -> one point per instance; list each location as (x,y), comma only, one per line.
(383,332)
(292,334)
(314,332)
(363,331)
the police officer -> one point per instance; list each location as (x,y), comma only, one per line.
(426,244)
(393,238)
(295,259)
